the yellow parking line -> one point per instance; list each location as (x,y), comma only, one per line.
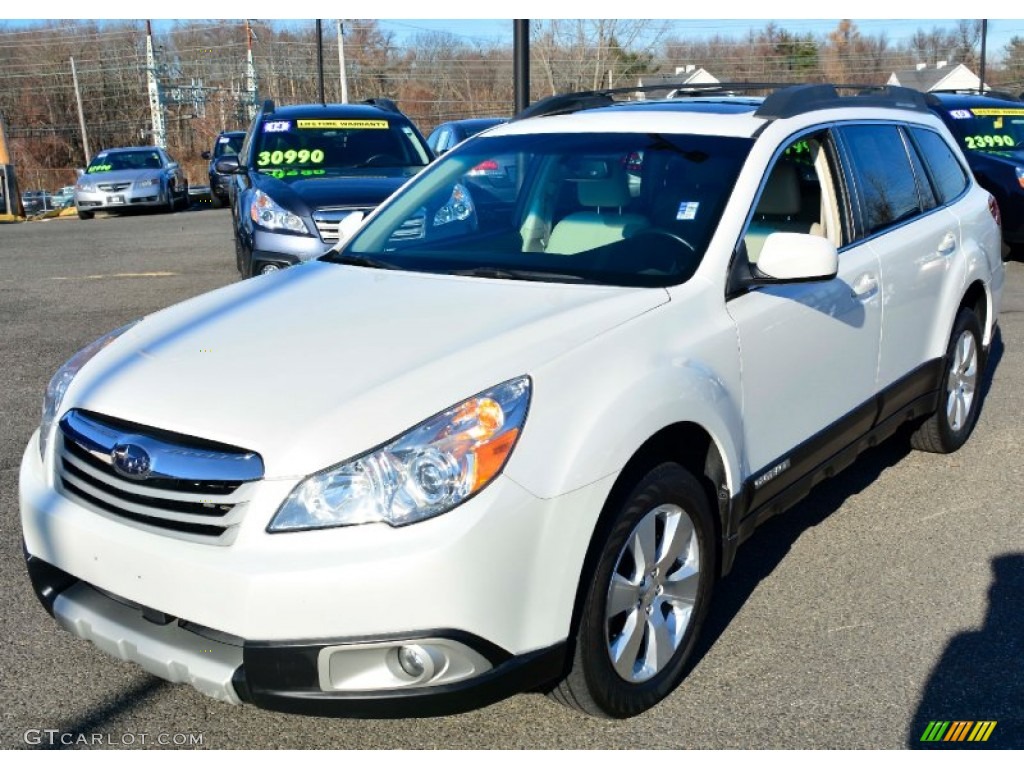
(118,274)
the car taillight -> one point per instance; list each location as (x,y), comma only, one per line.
(487,166)
(993,208)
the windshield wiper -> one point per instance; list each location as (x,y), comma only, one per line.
(514,274)
(359,261)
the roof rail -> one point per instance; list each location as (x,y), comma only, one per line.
(383,103)
(566,103)
(799,99)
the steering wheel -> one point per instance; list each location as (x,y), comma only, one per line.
(667,233)
(381,159)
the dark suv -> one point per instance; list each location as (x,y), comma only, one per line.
(304,168)
(990,130)
(228,143)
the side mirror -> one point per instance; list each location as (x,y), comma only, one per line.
(229,165)
(346,228)
(790,257)
(79,172)
(205,154)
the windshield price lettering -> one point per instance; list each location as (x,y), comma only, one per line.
(290,156)
(99,168)
(984,142)
(280,173)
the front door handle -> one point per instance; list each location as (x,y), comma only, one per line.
(864,287)
(948,245)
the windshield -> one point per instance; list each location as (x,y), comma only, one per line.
(125,161)
(228,145)
(622,209)
(333,147)
(989,129)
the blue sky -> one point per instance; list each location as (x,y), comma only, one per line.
(398,17)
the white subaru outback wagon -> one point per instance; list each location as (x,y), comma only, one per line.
(518,439)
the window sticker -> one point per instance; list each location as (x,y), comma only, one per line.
(223,139)
(290,157)
(277,126)
(1004,112)
(988,142)
(687,211)
(371,124)
(960,114)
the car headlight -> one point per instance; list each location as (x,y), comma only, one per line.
(61,380)
(458,208)
(269,215)
(148,183)
(423,473)
(85,186)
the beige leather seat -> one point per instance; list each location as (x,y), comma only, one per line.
(606,224)
(780,202)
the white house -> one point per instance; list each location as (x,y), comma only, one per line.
(690,74)
(941,77)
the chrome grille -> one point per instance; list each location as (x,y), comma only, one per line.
(187,488)
(328,220)
(115,186)
(411,229)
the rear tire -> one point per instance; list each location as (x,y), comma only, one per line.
(948,428)
(646,600)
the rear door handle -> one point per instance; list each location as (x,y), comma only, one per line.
(864,287)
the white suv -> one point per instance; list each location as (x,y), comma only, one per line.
(491,446)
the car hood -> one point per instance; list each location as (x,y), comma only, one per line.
(127,175)
(1002,157)
(321,362)
(367,189)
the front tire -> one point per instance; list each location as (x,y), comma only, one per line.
(85,215)
(646,600)
(948,428)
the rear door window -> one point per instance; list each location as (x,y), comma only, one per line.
(886,186)
(946,172)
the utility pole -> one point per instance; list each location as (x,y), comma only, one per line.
(984,35)
(250,74)
(320,58)
(341,63)
(81,114)
(156,106)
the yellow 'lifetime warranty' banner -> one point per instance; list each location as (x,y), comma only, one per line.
(998,112)
(342,124)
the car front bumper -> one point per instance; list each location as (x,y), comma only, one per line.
(132,197)
(495,579)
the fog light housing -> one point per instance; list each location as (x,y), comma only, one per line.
(397,664)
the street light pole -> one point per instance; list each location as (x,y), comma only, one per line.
(521,62)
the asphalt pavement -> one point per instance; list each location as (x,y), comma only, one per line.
(889,598)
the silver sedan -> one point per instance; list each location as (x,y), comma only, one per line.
(132,177)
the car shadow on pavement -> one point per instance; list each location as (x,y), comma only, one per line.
(775,538)
(89,728)
(772,541)
(980,677)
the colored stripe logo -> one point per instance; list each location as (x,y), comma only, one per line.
(958,730)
